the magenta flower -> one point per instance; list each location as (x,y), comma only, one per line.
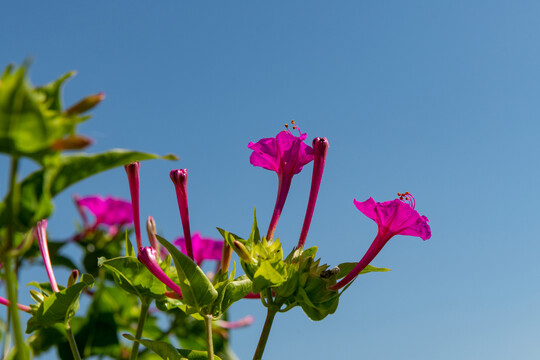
(147,256)
(203,248)
(110,211)
(132,171)
(393,218)
(285,154)
(320,148)
(40,231)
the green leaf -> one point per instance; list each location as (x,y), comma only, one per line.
(235,291)
(129,248)
(197,290)
(346,268)
(230,292)
(38,189)
(134,277)
(59,307)
(168,352)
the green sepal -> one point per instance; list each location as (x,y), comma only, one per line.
(168,352)
(345,268)
(197,290)
(229,292)
(133,277)
(59,307)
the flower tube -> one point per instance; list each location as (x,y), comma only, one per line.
(40,232)
(132,171)
(179,179)
(147,256)
(320,148)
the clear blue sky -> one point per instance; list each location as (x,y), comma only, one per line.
(439,98)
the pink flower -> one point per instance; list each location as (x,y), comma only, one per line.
(285,154)
(203,248)
(393,218)
(108,211)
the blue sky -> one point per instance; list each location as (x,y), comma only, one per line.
(439,98)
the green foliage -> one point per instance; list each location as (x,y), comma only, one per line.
(168,352)
(197,290)
(58,307)
(134,278)
(39,188)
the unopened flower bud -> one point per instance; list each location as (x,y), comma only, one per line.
(151,231)
(73,277)
(37,296)
(226,255)
(85,104)
(242,252)
(132,171)
(179,179)
(73,142)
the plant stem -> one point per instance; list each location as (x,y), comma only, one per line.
(209,340)
(72,343)
(272,311)
(10,276)
(140,326)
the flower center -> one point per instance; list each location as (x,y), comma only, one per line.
(406,196)
(294,126)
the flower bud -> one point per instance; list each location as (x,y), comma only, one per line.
(73,277)
(242,252)
(72,142)
(85,104)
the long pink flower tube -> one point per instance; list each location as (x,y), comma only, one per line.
(285,154)
(24,308)
(243,322)
(40,232)
(393,218)
(320,148)
(147,256)
(132,171)
(179,179)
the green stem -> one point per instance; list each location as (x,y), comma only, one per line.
(272,311)
(209,340)
(140,326)
(11,277)
(72,343)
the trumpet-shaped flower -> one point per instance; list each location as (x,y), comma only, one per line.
(204,248)
(393,218)
(285,154)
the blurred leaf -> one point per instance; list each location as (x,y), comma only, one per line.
(169,352)
(197,290)
(59,307)
(38,189)
(134,277)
